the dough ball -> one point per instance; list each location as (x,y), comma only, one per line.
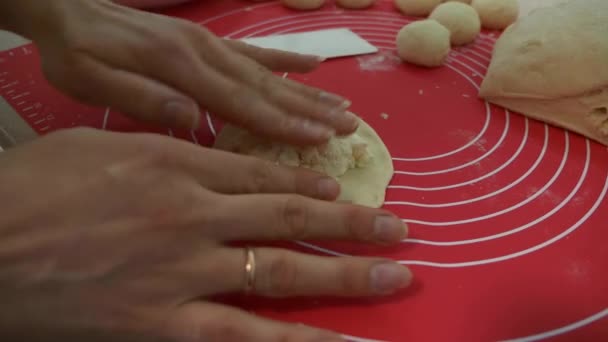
(497,14)
(360,162)
(417,7)
(425,43)
(303,5)
(461,19)
(355,4)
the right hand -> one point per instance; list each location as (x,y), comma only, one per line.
(112,236)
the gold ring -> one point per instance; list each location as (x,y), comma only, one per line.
(249,270)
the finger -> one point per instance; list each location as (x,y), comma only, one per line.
(276,60)
(222,84)
(135,95)
(284,273)
(248,175)
(311,104)
(313,107)
(320,108)
(344,121)
(243,104)
(209,322)
(303,101)
(200,65)
(293,217)
(191,59)
(230,173)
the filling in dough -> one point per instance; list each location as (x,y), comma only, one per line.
(360,162)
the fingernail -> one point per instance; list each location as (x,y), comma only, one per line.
(345,104)
(328,188)
(389,229)
(351,120)
(388,277)
(316,131)
(333,100)
(315,57)
(346,120)
(182,114)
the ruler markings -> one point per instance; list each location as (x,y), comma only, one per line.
(9,85)
(20,95)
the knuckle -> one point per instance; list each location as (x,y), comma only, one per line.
(261,176)
(283,275)
(226,331)
(175,203)
(77,42)
(174,48)
(167,40)
(219,327)
(294,217)
(201,34)
(254,52)
(285,336)
(354,226)
(157,155)
(289,124)
(349,279)
(265,80)
(243,102)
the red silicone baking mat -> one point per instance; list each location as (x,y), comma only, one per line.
(507,215)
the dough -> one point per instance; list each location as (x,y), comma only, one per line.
(425,43)
(420,8)
(355,4)
(360,162)
(497,14)
(303,5)
(461,19)
(552,65)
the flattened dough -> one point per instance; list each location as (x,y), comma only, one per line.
(363,174)
(552,65)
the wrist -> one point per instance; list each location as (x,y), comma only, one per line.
(25,17)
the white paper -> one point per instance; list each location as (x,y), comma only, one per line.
(329,43)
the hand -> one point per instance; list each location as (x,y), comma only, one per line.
(158,69)
(124,237)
